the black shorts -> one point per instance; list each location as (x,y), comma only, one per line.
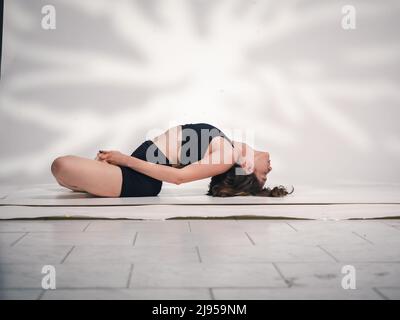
(136,184)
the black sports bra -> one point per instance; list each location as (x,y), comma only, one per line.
(196,138)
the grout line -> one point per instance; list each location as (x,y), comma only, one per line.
(198,254)
(41,295)
(291,226)
(289,283)
(389,225)
(84,229)
(134,239)
(128,283)
(20,238)
(190,228)
(66,256)
(211,293)
(251,240)
(380,293)
(358,235)
(20,231)
(385,223)
(328,253)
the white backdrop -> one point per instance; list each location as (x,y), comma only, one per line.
(323,100)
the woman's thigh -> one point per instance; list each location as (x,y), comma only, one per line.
(96,177)
(73,188)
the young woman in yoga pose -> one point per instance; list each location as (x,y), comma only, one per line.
(181,154)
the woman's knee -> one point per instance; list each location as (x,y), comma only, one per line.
(61,165)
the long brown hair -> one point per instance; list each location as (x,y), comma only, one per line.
(230,184)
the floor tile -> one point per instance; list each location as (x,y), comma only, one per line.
(19,294)
(338,226)
(263,253)
(293,294)
(214,225)
(331,275)
(391,222)
(206,275)
(78,238)
(67,276)
(317,237)
(191,238)
(28,254)
(43,226)
(243,225)
(129,254)
(133,226)
(379,234)
(391,293)
(11,238)
(363,252)
(373,230)
(127,294)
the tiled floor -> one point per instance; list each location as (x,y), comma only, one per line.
(200,259)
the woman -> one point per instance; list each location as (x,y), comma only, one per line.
(181,154)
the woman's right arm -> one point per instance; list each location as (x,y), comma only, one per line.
(212,164)
(154,170)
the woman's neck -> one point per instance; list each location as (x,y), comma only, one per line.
(242,150)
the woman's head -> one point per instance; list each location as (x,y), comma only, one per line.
(231,183)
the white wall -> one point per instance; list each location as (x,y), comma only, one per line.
(324,101)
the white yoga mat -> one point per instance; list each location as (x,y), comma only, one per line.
(320,212)
(307,202)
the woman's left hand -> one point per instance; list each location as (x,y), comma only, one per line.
(113,157)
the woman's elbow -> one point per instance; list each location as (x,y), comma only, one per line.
(180,178)
(177,180)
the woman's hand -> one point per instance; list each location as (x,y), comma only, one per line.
(113,157)
(98,159)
